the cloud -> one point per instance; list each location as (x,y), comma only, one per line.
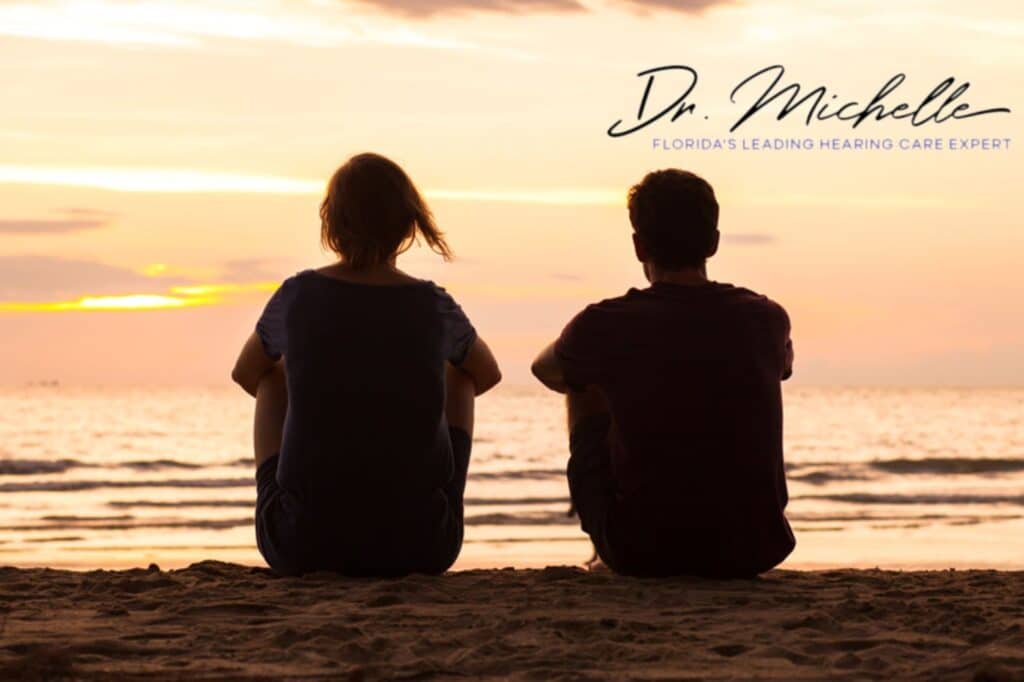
(48,226)
(255,269)
(689,6)
(749,238)
(74,220)
(89,212)
(424,8)
(33,278)
(427,8)
(169,24)
(34,283)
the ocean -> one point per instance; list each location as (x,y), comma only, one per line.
(894,478)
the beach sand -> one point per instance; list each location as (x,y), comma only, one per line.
(214,620)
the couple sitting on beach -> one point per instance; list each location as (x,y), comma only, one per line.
(365,379)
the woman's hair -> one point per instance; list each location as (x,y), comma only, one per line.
(373,212)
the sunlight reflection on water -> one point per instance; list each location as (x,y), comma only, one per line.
(889,477)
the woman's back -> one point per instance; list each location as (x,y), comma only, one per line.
(365,380)
(365,367)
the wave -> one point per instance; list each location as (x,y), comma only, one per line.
(821,473)
(539,518)
(821,477)
(27,467)
(74,518)
(526,540)
(60,538)
(516,501)
(949,465)
(155,464)
(74,486)
(517,474)
(185,504)
(895,498)
(178,504)
(131,524)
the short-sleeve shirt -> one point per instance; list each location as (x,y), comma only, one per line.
(692,377)
(365,371)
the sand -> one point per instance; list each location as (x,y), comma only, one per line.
(214,620)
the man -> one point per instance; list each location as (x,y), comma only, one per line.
(675,405)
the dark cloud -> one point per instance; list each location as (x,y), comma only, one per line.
(426,8)
(73,220)
(48,226)
(42,278)
(691,6)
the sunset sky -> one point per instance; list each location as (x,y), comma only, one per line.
(162,163)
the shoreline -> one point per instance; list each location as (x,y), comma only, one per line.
(215,620)
(521,564)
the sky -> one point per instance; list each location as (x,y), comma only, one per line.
(162,164)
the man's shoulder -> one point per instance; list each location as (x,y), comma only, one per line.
(612,307)
(600,316)
(746,295)
(760,303)
(640,301)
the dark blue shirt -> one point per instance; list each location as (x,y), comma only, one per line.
(365,366)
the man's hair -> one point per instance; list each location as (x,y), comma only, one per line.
(675,215)
(373,212)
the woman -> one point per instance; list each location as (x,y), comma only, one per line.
(364,379)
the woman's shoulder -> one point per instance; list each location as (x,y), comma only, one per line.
(393,281)
(290,284)
(446,303)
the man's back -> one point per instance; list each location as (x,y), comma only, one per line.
(691,374)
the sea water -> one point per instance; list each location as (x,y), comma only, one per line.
(113,477)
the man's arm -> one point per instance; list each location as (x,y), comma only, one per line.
(787,365)
(548,370)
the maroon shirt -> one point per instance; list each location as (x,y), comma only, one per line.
(692,378)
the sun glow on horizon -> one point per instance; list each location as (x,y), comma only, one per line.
(171,155)
(221,289)
(156,180)
(193,181)
(107,303)
(194,295)
(184,296)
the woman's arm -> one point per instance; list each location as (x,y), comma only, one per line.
(252,364)
(481,366)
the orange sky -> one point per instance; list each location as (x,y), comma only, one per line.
(162,164)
